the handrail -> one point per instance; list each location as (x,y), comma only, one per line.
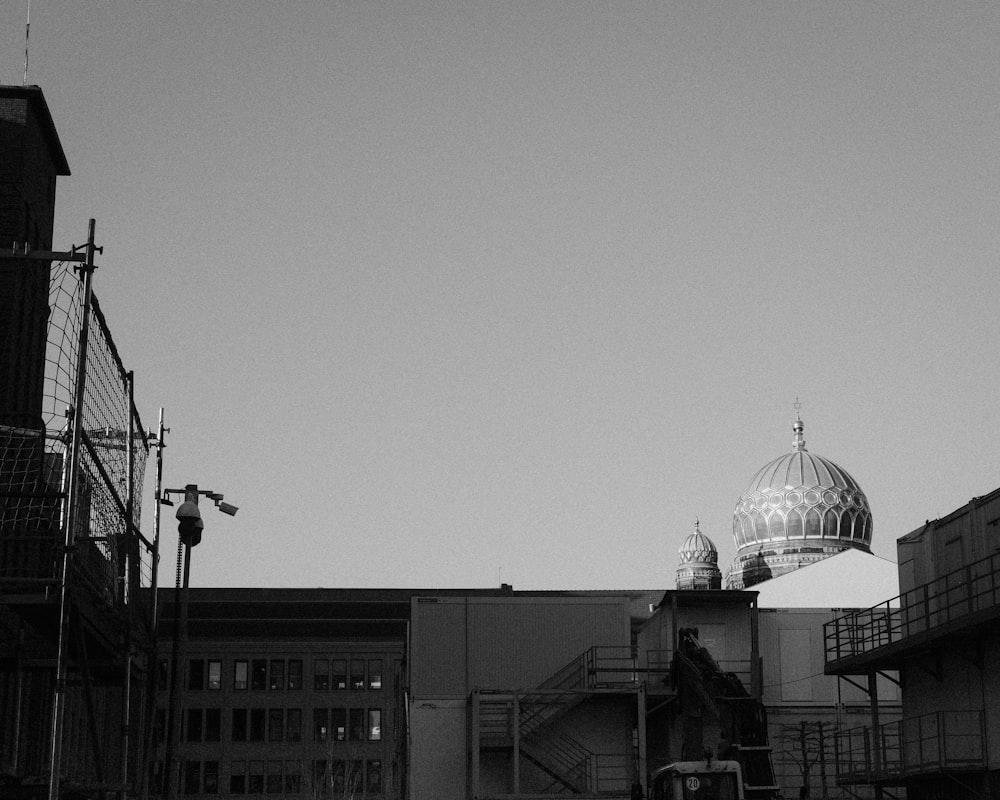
(944,601)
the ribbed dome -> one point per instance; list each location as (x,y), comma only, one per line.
(801,496)
(698,548)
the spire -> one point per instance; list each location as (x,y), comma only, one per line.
(799,442)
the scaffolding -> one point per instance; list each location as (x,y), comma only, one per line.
(77,576)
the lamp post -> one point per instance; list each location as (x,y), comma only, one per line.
(189,527)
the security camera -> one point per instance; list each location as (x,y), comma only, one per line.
(225,508)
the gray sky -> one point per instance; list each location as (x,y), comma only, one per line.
(444,294)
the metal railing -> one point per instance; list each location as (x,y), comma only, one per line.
(942,741)
(930,607)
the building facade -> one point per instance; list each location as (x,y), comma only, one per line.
(942,634)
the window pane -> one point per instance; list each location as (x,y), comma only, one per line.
(196,673)
(339,724)
(277,674)
(258,677)
(375,673)
(192,777)
(159,725)
(238,777)
(295,673)
(357,673)
(276,724)
(338,670)
(355,774)
(256,724)
(240,671)
(321,724)
(293,725)
(192,731)
(213,724)
(255,783)
(214,674)
(211,779)
(338,777)
(374,777)
(161,675)
(321,674)
(239,724)
(375,724)
(293,777)
(274,777)
(357,724)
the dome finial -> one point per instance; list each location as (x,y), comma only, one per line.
(799,442)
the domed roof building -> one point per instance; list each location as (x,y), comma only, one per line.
(699,563)
(798,509)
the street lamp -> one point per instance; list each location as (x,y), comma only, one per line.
(189,527)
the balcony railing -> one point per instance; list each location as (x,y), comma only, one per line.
(943,741)
(947,601)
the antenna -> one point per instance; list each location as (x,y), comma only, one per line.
(27,34)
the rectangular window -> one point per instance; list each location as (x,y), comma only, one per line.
(192,777)
(355,776)
(159,726)
(274,777)
(357,673)
(192,730)
(241,671)
(210,783)
(321,724)
(258,674)
(339,724)
(161,675)
(375,673)
(293,725)
(321,674)
(374,777)
(337,770)
(276,724)
(239,724)
(295,673)
(320,778)
(374,724)
(293,777)
(238,777)
(356,717)
(213,724)
(277,674)
(215,675)
(196,673)
(338,673)
(255,781)
(256,724)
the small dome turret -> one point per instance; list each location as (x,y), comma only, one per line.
(699,562)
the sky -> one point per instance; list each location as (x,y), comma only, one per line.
(449,294)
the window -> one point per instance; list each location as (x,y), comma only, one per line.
(277,674)
(276,724)
(193,729)
(337,777)
(196,673)
(338,670)
(320,778)
(240,672)
(356,717)
(339,724)
(321,724)
(357,673)
(238,777)
(321,674)
(239,724)
(215,675)
(213,725)
(293,777)
(210,783)
(274,777)
(159,726)
(192,777)
(374,777)
(293,725)
(256,724)
(255,784)
(375,673)
(258,674)
(295,673)
(374,724)
(355,775)
(161,675)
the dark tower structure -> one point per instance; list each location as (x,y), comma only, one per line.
(31,158)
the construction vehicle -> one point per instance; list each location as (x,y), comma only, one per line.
(712,700)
